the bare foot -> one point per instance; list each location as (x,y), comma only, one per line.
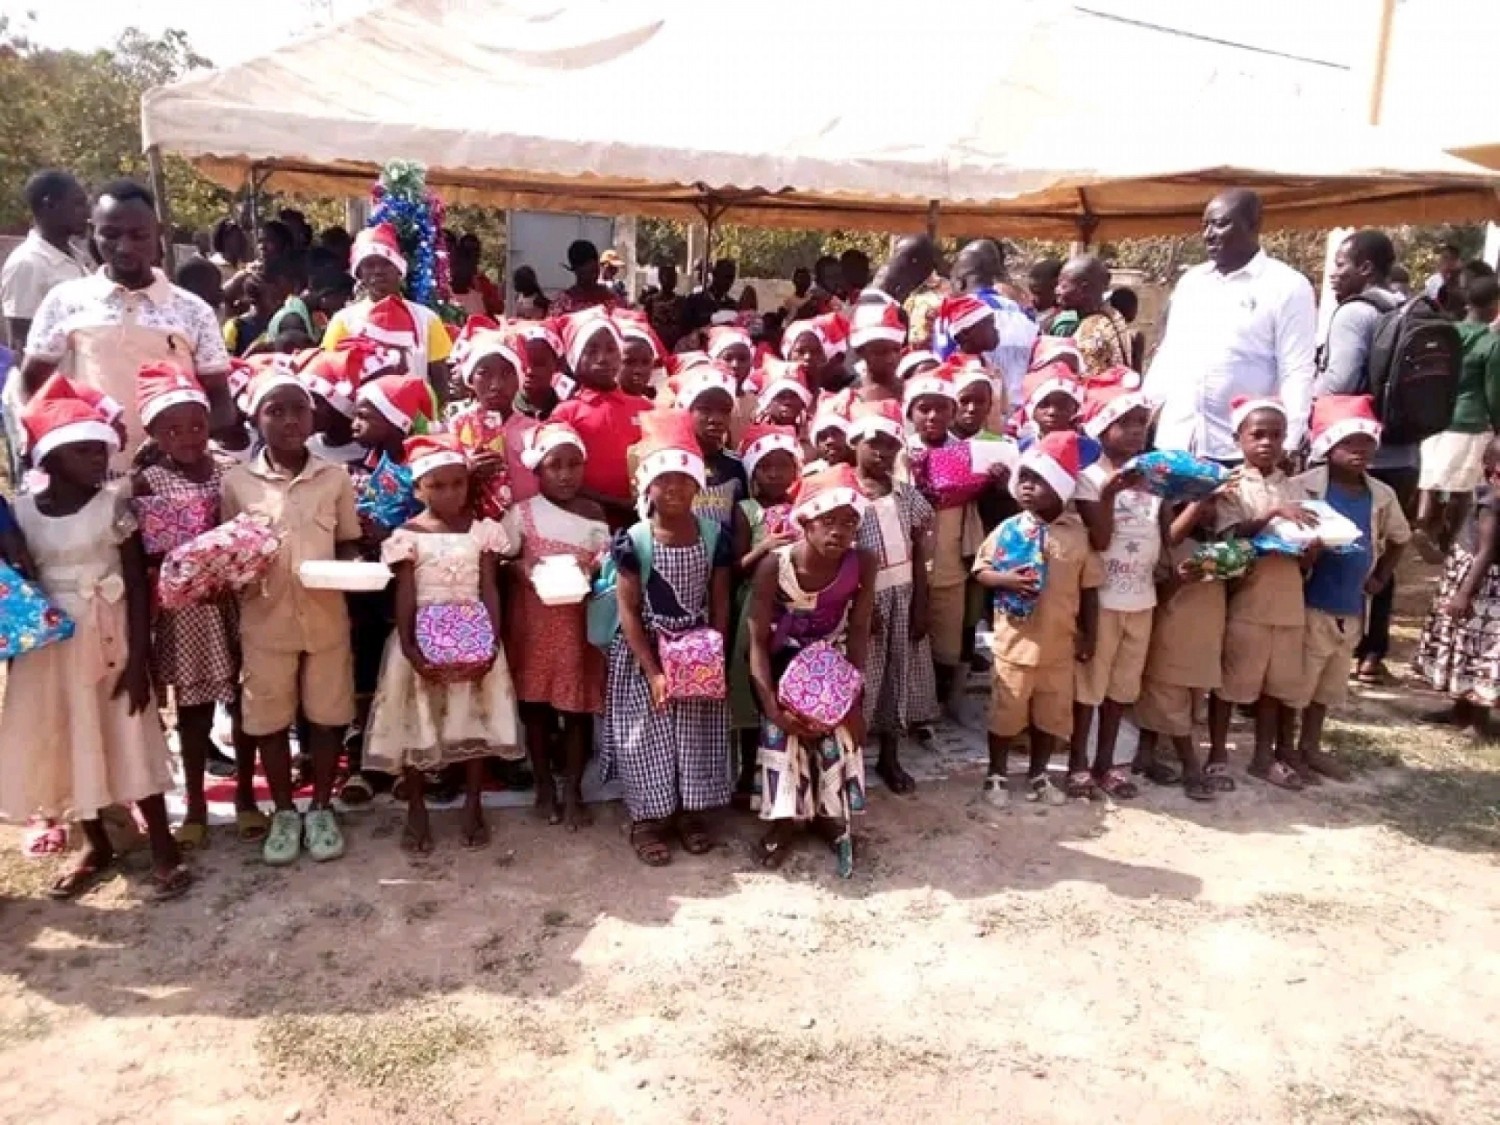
(896,779)
(547,806)
(416,836)
(576,814)
(90,869)
(474,832)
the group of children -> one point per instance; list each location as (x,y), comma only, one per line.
(832,522)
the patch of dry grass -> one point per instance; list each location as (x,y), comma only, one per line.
(807,1056)
(1322,1105)
(396,1051)
(23,1028)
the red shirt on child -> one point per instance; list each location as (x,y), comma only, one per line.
(608,422)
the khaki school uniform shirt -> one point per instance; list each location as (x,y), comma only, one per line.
(1187,633)
(315,512)
(1389,526)
(1271,594)
(1046,637)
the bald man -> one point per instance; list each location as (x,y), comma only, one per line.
(1100,333)
(980,269)
(1241,323)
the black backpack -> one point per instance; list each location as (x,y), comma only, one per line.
(1412,369)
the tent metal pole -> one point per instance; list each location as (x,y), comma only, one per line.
(158,179)
(932,218)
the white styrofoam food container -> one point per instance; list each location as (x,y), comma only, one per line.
(351,577)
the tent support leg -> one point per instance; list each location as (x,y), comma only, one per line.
(158,179)
(933,206)
(713,211)
(1088,223)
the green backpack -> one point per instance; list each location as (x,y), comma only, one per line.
(604,601)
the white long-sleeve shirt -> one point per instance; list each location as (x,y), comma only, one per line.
(1249,332)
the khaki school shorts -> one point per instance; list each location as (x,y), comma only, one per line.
(1262,660)
(275,684)
(1328,644)
(1037,697)
(1165,708)
(1119,658)
(945,622)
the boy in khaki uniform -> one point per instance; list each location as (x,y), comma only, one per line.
(295,640)
(1263,635)
(1035,659)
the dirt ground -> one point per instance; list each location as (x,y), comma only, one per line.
(1325,957)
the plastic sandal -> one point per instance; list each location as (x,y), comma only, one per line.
(1117,784)
(1044,790)
(356,791)
(174,884)
(320,830)
(1282,776)
(191,837)
(251,825)
(995,793)
(1217,775)
(283,842)
(1080,785)
(45,840)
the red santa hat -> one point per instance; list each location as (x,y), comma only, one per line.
(240,374)
(1336,417)
(917,357)
(271,372)
(779,376)
(1056,349)
(378,241)
(1117,376)
(426,452)
(1104,406)
(400,399)
(762,438)
(679,362)
(827,490)
(690,385)
(668,445)
(465,336)
(723,337)
(832,413)
(577,329)
(634,325)
(487,342)
(542,440)
(871,418)
(159,386)
(108,407)
(336,376)
(876,322)
(1242,406)
(1053,379)
(59,415)
(529,330)
(1057,458)
(966,370)
(833,329)
(390,322)
(934,382)
(795,331)
(961,311)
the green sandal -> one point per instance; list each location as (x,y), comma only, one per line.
(284,841)
(323,838)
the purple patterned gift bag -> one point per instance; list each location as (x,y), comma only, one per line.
(167,522)
(456,637)
(820,686)
(693,663)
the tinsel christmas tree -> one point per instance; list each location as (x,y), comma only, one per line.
(401,198)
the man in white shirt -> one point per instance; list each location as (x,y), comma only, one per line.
(1239,324)
(59,213)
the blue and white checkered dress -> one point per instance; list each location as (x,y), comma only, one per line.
(675,759)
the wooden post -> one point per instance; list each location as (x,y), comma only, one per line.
(163,209)
(932,219)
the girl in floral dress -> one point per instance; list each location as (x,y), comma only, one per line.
(423,717)
(763,523)
(819,589)
(900,691)
(559,675)
(195,650)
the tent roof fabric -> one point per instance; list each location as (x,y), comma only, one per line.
(1046,122)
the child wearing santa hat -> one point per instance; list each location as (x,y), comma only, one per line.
(781,394)
(1263,634)
(877,335)
(1127,527)
(819,589)
(490,428)
(900,694)
(674,576)
(642,355)
(538,398)
(706,392)
(194,649)
(1052,399)
(605,417)
(559,676)
(772,456)
(80,731)
(1036,658)
(377,263)
(1345,434)
(335,378)
(428,717)
(294,641)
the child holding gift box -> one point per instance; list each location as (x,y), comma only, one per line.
(195,649)
(490,429)
(1345,434)
(762,524)
(80,732)
(818,590)
(445,693)
(1036,658)
(1127,528)
(1263,635)
(897,529)
(294,641)
(559,676)
(671,753)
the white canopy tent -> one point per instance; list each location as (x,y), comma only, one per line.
(1029,117)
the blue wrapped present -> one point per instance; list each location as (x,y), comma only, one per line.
(1020,541)
(28,621)
(1174,474)
(386,495)
(1337,534)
